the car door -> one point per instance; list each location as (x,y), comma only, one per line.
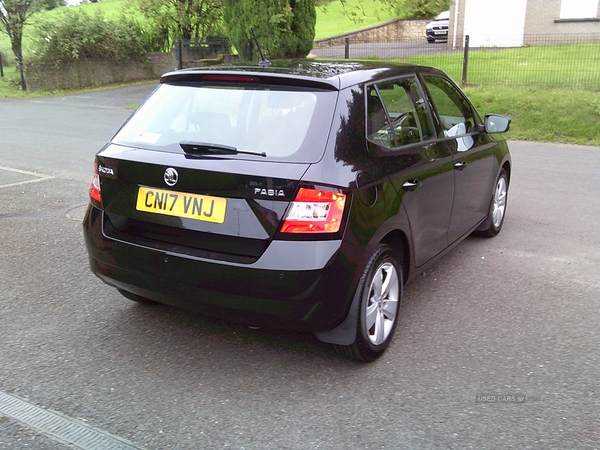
(400,133)
(475,165)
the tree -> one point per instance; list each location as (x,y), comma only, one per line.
(284,28)
(191,20)
(13,15)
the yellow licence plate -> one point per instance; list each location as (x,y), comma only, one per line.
(180,204)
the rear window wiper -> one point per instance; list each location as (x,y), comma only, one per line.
(204,148)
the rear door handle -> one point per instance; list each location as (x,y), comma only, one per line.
(411,185)
(460,165)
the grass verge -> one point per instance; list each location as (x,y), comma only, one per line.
(335,19)
(548,65)
(544,115)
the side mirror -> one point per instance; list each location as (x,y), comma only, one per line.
(495,123)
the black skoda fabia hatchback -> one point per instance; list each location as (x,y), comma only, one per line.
(299,196)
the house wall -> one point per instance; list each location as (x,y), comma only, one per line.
(495,24)
(457,24)
(542,23)
(542,14)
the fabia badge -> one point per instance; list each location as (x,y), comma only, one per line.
(171,177)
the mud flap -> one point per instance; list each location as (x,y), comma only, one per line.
(344,333)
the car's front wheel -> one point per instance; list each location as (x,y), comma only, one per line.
(380,291)
(497,209)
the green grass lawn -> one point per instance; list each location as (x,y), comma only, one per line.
(541,65)
(544,115)
(334,20)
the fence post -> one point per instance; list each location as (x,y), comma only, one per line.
(249,50)
(347,48)
(1,68)
(179,55)
(465,61)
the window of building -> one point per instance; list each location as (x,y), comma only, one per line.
(578,9)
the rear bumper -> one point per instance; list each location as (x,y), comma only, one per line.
(293,285)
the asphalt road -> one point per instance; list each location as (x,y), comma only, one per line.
(517,314)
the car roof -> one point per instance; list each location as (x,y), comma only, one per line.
(332,75)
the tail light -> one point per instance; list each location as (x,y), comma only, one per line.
(95,193)
(315,211)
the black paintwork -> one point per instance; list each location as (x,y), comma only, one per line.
(245,269)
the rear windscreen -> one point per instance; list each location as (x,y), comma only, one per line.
(284,123)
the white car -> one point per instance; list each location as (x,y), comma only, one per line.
(437,29)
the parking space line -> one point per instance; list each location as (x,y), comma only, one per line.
(39,177)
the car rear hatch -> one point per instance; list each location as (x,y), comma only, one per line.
(209,164)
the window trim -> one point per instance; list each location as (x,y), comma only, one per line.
(576,20)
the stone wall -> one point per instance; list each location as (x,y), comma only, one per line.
(95,73)
(395,30)
(162,63)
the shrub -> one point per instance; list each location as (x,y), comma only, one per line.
(77,35)
(156,37)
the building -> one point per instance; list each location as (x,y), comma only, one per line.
(514,23)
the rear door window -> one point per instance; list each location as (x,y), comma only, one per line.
(396,114)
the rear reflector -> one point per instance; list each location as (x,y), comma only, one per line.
(95,193)
(315,211)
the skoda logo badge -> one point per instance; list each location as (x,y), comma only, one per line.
(171,176)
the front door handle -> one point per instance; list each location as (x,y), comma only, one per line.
(411,185)
(460,165)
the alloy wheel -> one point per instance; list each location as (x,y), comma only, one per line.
(499,202)
(382,303)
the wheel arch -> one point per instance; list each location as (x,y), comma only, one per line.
(398,242)
(345,333)
(507,167)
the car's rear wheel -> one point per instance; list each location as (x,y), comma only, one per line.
(380,291)
(137,298)
(497,209)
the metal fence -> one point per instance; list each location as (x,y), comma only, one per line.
(540,60)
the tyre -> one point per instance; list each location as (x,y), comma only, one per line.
(430,40)
(380,291)
(497,209)
(137,298)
